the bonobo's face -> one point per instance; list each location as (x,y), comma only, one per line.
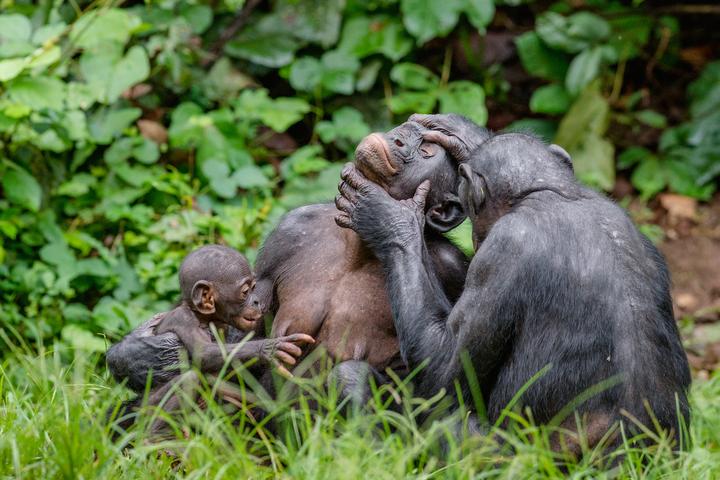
(237,305)
(400,160)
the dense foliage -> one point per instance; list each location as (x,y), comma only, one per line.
(130,133)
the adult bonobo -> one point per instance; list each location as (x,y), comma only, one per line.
(322,280)
(561,279)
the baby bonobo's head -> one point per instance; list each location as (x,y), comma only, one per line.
(217,282)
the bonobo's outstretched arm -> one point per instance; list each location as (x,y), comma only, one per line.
(429,328)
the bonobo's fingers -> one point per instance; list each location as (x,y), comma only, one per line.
(421,194)
(343,204)
(290,348)
(285,357)
(343,220)
(352,177)
(434,122)
(347,192)
(299,339)
(454,146)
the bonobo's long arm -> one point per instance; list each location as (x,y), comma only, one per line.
(429,328)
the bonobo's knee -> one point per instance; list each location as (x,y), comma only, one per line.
(352,380)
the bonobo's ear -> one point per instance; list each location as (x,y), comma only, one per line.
(203,297)
(446,215)
(562,155)
(472,189)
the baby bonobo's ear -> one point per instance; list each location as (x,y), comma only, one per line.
(562,155)
(445,215)
(203,297)
(472,189)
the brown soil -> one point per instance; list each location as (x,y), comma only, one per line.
(692,249)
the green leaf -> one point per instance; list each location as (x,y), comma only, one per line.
(414,77)
(14,28)
(413,102)
(224,81)
(581,134)
(38,93)
(545,129)
(277,114)
(426,19)
(574,33)
(583,69)
(649,177)
(366,35)
(198,16)
(704,93)
(631,156)
(539,60)
(95,27)
(21,188)
(317,22)
(338,72)
(479,12)
(11,68)
(250,176)
(266,43)
(465,98)
(132,69)
(551,99)
(78,185)
(652,118)
(107,124)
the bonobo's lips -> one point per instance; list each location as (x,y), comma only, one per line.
(247,321)
(374,160)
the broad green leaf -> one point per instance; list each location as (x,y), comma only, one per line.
(106,124)
(11,68)
(366,35)
(338,72)
(198,16)
(78,185)
(466,98)
(187,125)
(367,76)
(133,68)
(38,93)
(277,114)
(581,134)
(414,77)
(266,43)
(311,20)
(21,188)
(552,99)
(683,179)
(652,118)
(306,74)
(95,27)
(413,102)
(250,176)
(630,33)
(426,19)
(571,34)
(48,32)
(479,12)
(351,123)
(631,156)
(649,177)
(224,81)
(14,28)
(583,69)
(539,60)
(704,93)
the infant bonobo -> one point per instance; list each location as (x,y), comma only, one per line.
(216,285)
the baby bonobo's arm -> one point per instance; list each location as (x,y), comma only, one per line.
(210,357)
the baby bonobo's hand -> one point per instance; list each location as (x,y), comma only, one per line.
(283,351)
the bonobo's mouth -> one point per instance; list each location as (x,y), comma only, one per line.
(247,321)
(374,160)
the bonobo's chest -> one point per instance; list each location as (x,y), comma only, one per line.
(338,296)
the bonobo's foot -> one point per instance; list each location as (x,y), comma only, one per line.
(352,380)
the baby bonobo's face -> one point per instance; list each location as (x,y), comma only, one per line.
(237,305)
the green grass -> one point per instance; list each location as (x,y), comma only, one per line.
(52,425)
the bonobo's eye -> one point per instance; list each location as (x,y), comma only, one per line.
(428,150)
(399,143)
(244,290)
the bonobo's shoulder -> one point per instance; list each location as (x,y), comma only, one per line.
(300,218)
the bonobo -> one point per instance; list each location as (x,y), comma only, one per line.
(322,280)
(561,280)
(216,284)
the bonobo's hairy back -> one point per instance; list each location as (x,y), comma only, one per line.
(582,288)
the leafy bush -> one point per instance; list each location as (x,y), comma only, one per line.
(130,135)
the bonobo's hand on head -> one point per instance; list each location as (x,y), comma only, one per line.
(401,159)
(455,133)
(217,283)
